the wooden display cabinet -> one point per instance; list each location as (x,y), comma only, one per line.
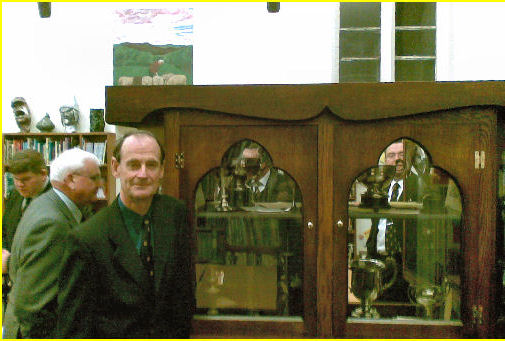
(324,136)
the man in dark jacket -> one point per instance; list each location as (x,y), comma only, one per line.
(29,171)
(128,269)
(385,241)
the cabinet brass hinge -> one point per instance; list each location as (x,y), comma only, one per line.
(477,314)
(179,160)
(480,159)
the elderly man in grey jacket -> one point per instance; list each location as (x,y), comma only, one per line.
(37,248)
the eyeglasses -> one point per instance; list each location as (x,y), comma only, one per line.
(94,178)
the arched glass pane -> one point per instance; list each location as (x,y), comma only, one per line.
(249,237)
(405,239)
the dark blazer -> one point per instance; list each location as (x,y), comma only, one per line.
(276,189)
(34,267)
(398,291)
(410,193)
(105,289)
(12,216)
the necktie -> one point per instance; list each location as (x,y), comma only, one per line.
(392,238)
(146,250)
(396,190)
(256,190)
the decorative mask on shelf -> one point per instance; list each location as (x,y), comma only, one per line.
(69,118)
(45,125)
(22,114)
(96,120)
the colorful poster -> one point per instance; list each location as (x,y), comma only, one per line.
(153,47)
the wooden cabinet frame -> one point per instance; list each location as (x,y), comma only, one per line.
(354,123)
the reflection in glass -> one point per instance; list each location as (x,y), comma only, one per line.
(249,236)
(416,225)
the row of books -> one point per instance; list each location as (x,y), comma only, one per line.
(253,233)
(239,241)
(97,148)
(8,185)
(51,148)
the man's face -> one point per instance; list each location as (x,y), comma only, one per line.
(85,183)
(395,157)
(30,184)
(252,162)
(140,169)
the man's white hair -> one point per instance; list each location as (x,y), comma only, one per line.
(69,162)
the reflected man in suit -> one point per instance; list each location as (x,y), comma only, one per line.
(38,244)
(268,184)
(128,271)
(28,169)
(386,236)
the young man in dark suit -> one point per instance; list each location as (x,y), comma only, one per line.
(30,180)
(128,270)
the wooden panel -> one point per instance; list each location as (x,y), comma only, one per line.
(212,329)
(325,228)
(293,148)
(355,101)
(450,138)
(171,179)
(401,330)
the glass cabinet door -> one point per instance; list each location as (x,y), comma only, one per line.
(404,240)
(249,237)
(251,192)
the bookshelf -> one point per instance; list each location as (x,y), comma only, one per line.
(52,144)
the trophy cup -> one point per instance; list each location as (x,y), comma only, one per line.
(428,296)
(374,179)
(216,281)
(367,284)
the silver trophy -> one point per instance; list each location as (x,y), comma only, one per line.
(428,296)
(375,180)
(367,283)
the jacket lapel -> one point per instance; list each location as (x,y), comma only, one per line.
(163,240)
(61,206)
(125,254)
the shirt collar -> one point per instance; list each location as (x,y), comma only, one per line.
(263,181)
(130,217)
(76,212)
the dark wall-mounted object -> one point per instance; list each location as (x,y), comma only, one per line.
(96,120)
(44,9)
(273,7)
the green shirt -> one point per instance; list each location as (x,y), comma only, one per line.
(134,224)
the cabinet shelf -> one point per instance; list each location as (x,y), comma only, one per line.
(401,213)
(250,215)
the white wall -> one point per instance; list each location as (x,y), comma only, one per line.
(49,61)
(470,41)
(241,43)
